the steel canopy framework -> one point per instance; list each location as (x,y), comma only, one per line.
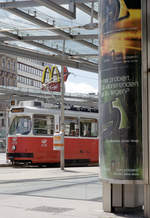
(32,33)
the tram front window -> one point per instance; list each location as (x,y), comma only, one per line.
(43,124)
(20,126)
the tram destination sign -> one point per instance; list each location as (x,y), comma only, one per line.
(17,110)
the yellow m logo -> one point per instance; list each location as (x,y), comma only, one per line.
(51,71)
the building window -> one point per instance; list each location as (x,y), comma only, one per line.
(22,67)
(14,66)
(3,63)
(8,64)
(3,83)
(27,69)
(19,66)
(3,122)
(8,82)
(32,82)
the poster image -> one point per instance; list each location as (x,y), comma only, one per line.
(120,90)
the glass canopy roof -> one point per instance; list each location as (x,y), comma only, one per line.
(58,32)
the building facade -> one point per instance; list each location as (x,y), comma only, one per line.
(29,73)
(8,70)
(21,73)
(8,77)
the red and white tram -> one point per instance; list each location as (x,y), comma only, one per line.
(30,137)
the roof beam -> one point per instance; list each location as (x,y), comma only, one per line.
(52,5)
(31,38)
(12,36)
(55,37)
(36,44)
(58,9)
(42,46)
(27,53)
(88,44)
(44,24)
(87,10)
(85,36)
(85,55)
(38,22)
(18,4)
(24,4)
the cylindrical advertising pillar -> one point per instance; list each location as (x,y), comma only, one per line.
(120,91)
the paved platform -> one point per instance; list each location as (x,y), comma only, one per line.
(20,206)
(31,207)
(3,161)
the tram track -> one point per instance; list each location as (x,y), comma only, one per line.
(59,188)
(47,179)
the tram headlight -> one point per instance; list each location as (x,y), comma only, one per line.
(13,147)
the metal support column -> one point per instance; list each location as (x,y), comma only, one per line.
(62,111)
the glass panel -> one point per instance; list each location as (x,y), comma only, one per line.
(20,125)
(71,126)
(88,127)
(43,124)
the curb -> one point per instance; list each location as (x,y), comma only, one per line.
(5,165)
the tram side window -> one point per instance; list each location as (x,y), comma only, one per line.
(20,125)
(43,124)
(71,126)
(88,127)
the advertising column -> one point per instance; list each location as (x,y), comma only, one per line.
(120,90)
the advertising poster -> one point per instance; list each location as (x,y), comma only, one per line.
(120,90)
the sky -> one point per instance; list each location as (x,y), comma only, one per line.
(81,82)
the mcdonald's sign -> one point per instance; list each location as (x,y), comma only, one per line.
(53,71)
(54,78)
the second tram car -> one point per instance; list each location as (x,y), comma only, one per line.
(30,137)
